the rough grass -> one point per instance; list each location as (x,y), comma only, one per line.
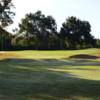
(49,75)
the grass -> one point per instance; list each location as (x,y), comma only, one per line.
(49,75)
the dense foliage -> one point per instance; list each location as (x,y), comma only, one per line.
(39,32)
(76,33)
(6,13)
(6,18)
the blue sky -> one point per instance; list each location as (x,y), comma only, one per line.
(60,10)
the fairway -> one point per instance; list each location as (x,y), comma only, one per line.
(49,75)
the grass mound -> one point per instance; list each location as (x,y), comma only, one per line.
(84,56)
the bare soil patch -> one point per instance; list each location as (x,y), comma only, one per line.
(8,55)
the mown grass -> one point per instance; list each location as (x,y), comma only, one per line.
(49,75)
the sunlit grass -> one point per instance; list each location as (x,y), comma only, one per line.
(58,54)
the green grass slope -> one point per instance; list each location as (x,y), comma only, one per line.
(49,75)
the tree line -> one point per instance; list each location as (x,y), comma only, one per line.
(39,32)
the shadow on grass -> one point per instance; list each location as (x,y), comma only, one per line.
(22,78)
(53,62)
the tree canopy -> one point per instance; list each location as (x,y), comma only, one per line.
(5,13)
(38,26)
(37,23)
(6,18)
(38,31)
(77,33)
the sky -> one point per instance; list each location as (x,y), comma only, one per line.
(61,9)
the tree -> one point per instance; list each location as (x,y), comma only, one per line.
(6,16)
(5,13)
(98,43)
(5,39)
(39,26)
(77,33)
